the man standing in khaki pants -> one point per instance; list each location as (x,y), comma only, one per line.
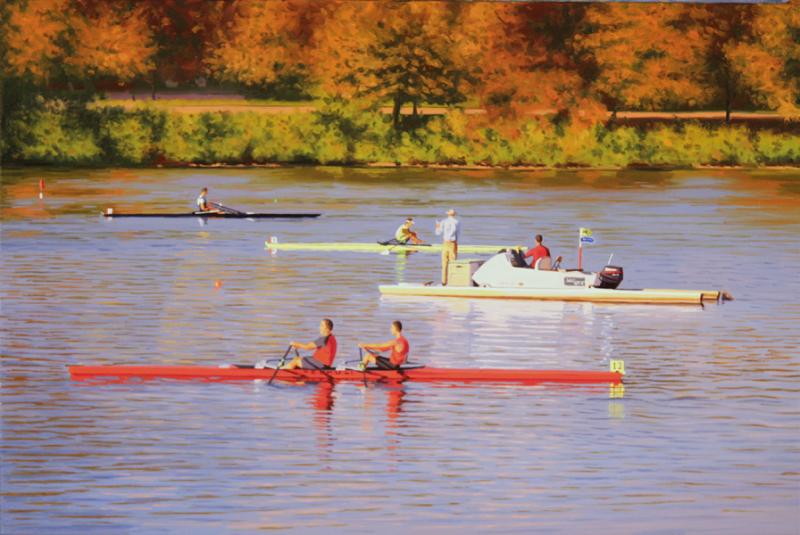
(449,230)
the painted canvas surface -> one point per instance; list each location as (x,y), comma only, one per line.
(380,266)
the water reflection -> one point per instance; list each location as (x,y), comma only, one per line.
(718,382)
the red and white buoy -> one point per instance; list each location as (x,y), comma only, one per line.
(41,188)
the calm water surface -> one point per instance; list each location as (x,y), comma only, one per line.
(705,439)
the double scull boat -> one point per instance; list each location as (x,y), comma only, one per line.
(410,373)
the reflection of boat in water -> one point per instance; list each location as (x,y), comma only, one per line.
(504,276)
(495,311)
(410,373)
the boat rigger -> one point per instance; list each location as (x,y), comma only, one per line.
(376,247)
(409,373)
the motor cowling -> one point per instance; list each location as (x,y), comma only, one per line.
(610,277)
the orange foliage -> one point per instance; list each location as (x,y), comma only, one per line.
(646,56)
(112,43)
(403,52)
(763,62)
(522,63)
(572,59)
(33,31)
(268,40)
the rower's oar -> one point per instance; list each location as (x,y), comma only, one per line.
(321,370)
(227,210)
(280,364)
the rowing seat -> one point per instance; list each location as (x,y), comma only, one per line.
(545,263)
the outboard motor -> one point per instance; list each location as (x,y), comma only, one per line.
(610,277)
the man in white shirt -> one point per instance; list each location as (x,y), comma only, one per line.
(449,230)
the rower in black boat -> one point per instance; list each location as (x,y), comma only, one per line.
(202,203)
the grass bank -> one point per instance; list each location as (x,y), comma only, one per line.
(57,133)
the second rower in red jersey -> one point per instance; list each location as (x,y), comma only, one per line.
(398,348)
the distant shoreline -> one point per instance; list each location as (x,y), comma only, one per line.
(389,165)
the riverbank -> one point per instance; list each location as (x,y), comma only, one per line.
(56,134)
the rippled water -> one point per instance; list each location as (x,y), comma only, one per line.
(706,438)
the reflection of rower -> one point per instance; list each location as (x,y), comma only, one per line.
(398,347)
(202,202)
(324,350)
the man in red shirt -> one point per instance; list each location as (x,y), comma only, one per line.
(399,350)
(324,350)
(538,251)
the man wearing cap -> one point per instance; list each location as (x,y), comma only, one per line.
(449,230)
(404,234)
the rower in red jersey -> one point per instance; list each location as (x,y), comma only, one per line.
(540,252)
(324,350)
(399,350)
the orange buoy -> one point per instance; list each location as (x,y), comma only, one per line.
(217,284)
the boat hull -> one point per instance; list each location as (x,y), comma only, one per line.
(421,374)
(220,215)
(597,295)
(378,248)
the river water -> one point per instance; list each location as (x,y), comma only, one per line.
(706,438)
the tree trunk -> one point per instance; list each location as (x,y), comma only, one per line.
(398,103)
(415,109)
(728,100)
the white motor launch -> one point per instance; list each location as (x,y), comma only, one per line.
(508,270)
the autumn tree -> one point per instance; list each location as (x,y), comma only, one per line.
(766,61)
(527,61)
(269,44)
(34,39)
(647,56)
(113,43)
(397,52)
(184,32)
